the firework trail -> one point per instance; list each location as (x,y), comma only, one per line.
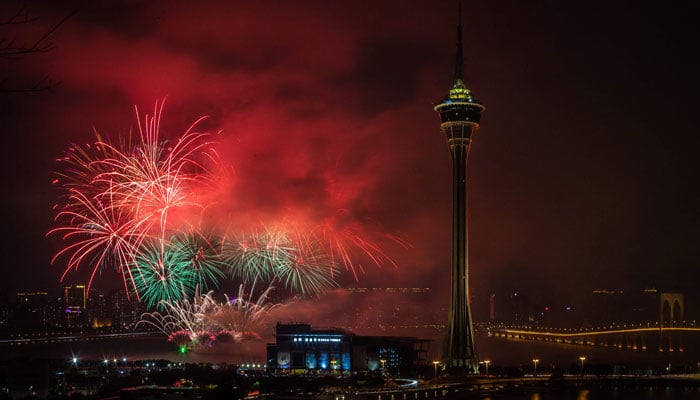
(344,241)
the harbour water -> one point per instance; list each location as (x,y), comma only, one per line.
(662,393)
(516,355)
(146,347)
(498,351)
(565,356)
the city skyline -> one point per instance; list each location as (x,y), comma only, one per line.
(42,311)
(584,180)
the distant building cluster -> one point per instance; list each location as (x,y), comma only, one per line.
(413,290)
(40,311)
(299,348)
(397,311)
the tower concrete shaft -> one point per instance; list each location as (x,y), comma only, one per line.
(460,114)
(459,349)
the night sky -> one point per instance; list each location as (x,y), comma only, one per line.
(584,174)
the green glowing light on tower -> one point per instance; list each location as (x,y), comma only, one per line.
(460,92)
(182,349)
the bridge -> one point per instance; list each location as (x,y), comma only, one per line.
(57,337)
(640,338)
(666,334)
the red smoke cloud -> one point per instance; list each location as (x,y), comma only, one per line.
(285,87)
(316,122)
(325,111)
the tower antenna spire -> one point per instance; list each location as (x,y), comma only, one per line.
(459,64)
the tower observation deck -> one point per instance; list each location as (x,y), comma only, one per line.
(460,114)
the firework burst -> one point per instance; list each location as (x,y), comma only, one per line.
(254,256)
(182,318)
(118,196)
(307,270)
(123,207)
(338,243)
(296,261)
(203,320)
(240,315)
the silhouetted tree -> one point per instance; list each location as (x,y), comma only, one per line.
(13,48)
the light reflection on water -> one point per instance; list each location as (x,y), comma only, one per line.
(513,353)
(141,348)
(650,393)
(501,352)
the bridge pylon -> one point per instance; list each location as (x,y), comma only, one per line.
(670,302)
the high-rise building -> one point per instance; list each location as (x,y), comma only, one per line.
(75,302)
(460,114)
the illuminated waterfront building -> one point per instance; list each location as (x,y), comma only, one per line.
(298,347)
(460,114)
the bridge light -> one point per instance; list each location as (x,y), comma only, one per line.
(535,361)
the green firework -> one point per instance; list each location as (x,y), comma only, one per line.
(161,274)
(307,270)
(256,256)
(197,249)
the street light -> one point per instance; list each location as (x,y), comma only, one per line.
(535,361)
(582,359)
(486,364)
(436,363)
